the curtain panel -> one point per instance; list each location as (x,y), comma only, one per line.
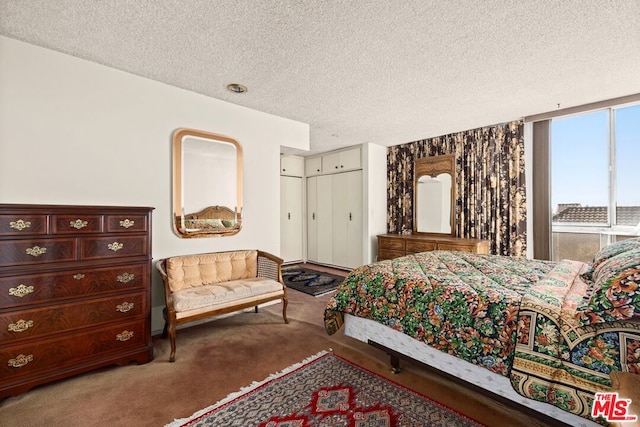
(490,184)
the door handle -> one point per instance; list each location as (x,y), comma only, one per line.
(313,216)
(349,216)
(289,215)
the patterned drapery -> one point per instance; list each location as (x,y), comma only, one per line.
(490,184)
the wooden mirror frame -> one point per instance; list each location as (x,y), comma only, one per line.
(433,166)
(215,219)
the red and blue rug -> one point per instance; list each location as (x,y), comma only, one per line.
(326,390)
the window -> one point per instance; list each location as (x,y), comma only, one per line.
(594,176)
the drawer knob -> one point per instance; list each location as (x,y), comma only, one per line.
(124,336)
(124,307)
(20,224)
(20,360)
(115,246)
(78,224)
(78,276)
(126,223)
(36,251)
(21,291)
(125,277)
(20,326)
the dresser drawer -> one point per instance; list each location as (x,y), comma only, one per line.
(126,223)
(452,247)
(76,224)
(66,351)
(38,322)
(389,254)
(21,225)
(79,282)
(22,252)
(391,243)
(110,247)
(414,246)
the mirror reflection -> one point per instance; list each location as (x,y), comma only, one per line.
(434,195)
(207,184)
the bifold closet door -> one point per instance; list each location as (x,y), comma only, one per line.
(324,217)
(312,219)
(291,218)
(347,219)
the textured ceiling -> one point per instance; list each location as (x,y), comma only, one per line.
(383,72)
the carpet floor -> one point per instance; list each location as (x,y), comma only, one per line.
(217,358)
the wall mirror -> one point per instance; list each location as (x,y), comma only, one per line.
(434,193)
(207,184)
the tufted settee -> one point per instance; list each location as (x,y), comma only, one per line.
(200,286)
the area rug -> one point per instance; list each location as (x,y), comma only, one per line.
(309,281)
(326,390)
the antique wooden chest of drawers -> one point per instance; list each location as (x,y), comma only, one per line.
(74,291)
(397,245)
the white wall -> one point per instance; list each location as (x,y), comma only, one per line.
(375,197)
(76,132)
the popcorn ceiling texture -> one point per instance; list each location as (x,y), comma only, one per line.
(358,71)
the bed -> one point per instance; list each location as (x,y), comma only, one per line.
(548,332)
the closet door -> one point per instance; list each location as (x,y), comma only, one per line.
(324,210)
(347,219)
(312,219)
(354,219)
(291,218)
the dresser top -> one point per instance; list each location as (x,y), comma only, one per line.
(44,209)
(430,237)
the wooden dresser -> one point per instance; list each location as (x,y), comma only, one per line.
(74,291)
(397,245)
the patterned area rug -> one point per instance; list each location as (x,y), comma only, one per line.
(309,281)
(326,390)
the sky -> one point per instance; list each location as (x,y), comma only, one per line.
(579,158)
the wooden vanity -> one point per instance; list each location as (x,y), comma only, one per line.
(397,245)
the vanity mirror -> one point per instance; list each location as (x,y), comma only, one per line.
(207,184)
(434,193)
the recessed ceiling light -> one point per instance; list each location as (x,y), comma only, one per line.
(236,88)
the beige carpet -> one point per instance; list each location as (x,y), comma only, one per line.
(213,360)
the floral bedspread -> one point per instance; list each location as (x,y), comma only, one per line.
(461,303)
(513,316)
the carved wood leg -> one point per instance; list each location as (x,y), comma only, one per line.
(285,302)
(172,338)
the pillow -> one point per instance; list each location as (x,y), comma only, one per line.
(616,289)
(611,251)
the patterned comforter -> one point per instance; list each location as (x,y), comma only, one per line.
(513,316)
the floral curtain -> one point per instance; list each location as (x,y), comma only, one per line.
(490,184)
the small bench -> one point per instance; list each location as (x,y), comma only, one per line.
(205,285)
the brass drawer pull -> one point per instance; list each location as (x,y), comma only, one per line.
(20,325)
(124,336)
(125,277)
(20,360)
(126,223)
(115,246)
(78,224)
(78,276)
(36,251)
(124,307)
(21,291)
(20,224)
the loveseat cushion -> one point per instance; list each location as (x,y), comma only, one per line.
(189,271)
(218,295)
